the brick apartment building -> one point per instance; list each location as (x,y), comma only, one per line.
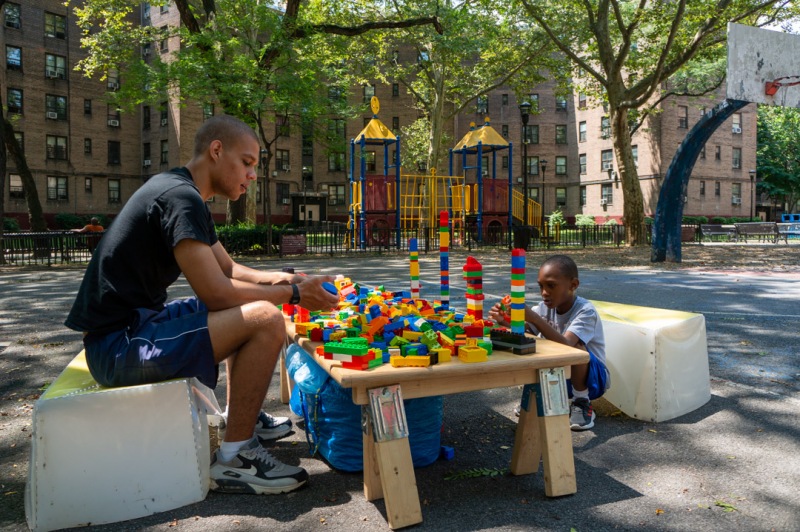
(88,158)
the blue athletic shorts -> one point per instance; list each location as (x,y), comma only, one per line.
(597,380)
(157,346)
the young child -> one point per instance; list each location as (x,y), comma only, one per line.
(569,319)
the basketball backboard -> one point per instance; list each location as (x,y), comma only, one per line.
(763,66)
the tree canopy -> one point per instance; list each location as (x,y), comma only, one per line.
(778,167)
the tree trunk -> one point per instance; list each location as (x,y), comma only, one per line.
(35,213)
(237,210)
(633,200)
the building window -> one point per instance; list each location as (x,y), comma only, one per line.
(395,90)
(335,194)
(606,160)
(605,128)
(504,162)
(531,134)
(14,98)
(146,12)
(163,43)
(504,99)
(15,188)
(737,158)
(561,165)
(581,102)
(561,196)
(703,152)
(533,193)
(582,192)
(582,163)
(369,159)
(114,191)
(113,115)
(57,188)
(582,132)
(702,188)
(56,147)
(282,160)
(606,194)
(718,153)
(113,152)
(208,111)
(146,117)
(164,151)
(335,94)
(504,130)
(162,111)
(736,127)
(87,146)
(683,117)
(55,107)
(716,188)
(561,104)
(736,193)
(532,164)
(561,134)
(87,185)
(336,161)
(635,153)
(534,100)
(258,192)
(282,126)
(55,26)
(369,92)
(282,196)
(11,14)
(147,49)
(13,57)
(87,107)
(164,8)
(20,140)
(55,66)
(396,125)
(483,105)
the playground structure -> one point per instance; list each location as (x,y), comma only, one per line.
(385,205)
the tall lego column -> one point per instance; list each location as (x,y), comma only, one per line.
(473,275)
(444,259)
(413,255)
(518,291)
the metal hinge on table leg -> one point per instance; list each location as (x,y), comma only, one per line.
(388,413)
(551,393)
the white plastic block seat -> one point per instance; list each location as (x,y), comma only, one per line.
(102,455)
(658,360)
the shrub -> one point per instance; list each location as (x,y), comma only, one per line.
(611,221)
(69,221)
(10,225)
(584,219)
(556,218)
(718,220)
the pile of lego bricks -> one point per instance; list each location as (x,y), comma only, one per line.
(372,327)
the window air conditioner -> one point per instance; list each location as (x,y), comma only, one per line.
(113,85)
(146,162)
(603,201)
(737,130)
(285,167)
(285,201)
(736,201)
(113,123)
(52,74)
(163,121)
(52,116)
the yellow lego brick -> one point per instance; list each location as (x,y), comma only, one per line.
(304,327)
(445,355)
(472,354)
(410,361)
(412,336)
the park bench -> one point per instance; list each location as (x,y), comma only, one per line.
(788,230)
(765,231)
(709,231)
(103,455)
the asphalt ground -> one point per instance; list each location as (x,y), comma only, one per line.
(730,465)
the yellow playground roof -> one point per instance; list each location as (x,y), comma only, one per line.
(375,132)
(486,135)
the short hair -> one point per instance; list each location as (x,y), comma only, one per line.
(565,265)
(225,128)
(94,220)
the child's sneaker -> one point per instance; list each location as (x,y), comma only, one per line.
(254,470)
(270,427)
(581,415)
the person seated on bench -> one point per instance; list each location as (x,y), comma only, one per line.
(566,318)
(92,227)
(133,336)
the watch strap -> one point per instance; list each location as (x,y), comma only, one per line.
(295,295)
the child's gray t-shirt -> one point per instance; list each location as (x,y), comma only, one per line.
(582,321)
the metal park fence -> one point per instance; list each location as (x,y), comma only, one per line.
(65,247)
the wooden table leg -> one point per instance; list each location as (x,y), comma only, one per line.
(557,457)
(527,441)
(372,475)
(285,383)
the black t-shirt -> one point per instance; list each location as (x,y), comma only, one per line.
(134,262)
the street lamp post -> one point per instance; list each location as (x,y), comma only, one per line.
(525,111)
(543,164)
(752,194)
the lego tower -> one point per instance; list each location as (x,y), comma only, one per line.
(473,275)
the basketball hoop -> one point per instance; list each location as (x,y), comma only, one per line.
(771,87)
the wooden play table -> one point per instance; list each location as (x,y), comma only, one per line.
(388,469)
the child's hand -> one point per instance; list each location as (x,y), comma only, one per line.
(500,313)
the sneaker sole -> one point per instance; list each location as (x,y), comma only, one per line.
(274,434)
(579,428)
(237,486)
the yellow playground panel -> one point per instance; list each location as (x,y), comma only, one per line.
(423,196)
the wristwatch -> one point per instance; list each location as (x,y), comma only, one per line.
(295,295)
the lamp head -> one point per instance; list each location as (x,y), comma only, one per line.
(752,175)
(525,111)
(543,164)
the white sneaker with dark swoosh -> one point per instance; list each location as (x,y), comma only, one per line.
(255,470)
